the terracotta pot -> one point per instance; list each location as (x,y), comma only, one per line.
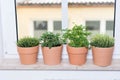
(77,56)
(52,56)
(102,56)
(28,55)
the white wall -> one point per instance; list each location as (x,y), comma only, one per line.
(19,0)
(59,75)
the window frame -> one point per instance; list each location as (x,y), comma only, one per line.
(109,29)
(54,25)
(109,21)
(31,24)
(8,35)
(33,27)
(93,21)
(49,24)
(36,26)
(102,26)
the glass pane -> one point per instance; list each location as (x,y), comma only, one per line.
(91,13)
(109,27)
(57,26)
(38,16)
(79,12)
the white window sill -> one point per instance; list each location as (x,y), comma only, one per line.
(14,64)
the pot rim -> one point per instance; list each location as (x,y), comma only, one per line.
(52,47)
(103,47)
(75,47)
(28,47)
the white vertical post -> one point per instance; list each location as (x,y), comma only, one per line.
(8,26)
(102,26)
(50,25)
(117,28)
(1,38)
(64,14)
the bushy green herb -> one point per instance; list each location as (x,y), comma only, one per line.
(28,42)
(102,40)
(77,36)
(49,39)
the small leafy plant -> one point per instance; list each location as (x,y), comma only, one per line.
(77,36)
(102,40)
(49,39)
(28,42)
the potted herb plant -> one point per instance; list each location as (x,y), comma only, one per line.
(28,48)
(102,49)
(77,44)
(51,45)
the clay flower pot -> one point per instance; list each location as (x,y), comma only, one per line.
(52,56)
(102,56)
(28,55)
(77,56)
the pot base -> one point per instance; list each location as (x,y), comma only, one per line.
(77,59)
(52,56)
(28,59)
(102,56)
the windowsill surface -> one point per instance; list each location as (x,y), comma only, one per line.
(14,64)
